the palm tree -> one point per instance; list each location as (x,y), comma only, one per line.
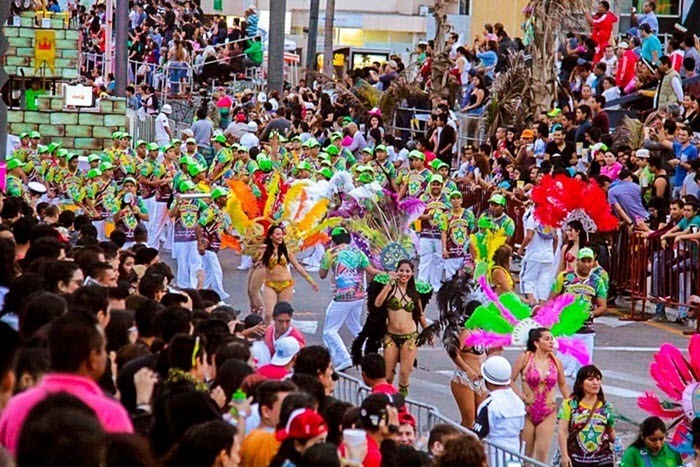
(328,39)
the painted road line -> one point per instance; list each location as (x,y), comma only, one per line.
(664,327)
(627,349)
(611,390)
(307,327)
(622,376)
(612,322)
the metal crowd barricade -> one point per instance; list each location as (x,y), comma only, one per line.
(141,126)
(655,272)
(353,391)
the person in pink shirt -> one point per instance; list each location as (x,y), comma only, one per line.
(282,362)
(78,358)
(611,167)
(282,327)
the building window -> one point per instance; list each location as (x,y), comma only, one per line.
(663,7)
(351,37)
(464,7)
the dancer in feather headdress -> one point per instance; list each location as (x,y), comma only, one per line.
(507,320)
(561,199)
(679,378)
(384,222)
(396,304)
(301,223)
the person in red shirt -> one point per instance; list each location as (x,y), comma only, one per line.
(602,25)
(286,350)
(626,65)
(374,374)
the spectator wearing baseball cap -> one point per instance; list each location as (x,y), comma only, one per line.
(282,362)
(305,428)
(407,429)
(497,213)
(379,417)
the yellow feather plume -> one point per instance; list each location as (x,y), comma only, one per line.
(239,219)
(292,200)
(245,194)
(327,224)
(314,215)
(494,241)
(273,188)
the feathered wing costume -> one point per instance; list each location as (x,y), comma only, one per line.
(679,378)
(385,224)
(456,301)
(560,200)
(303,218)
(370,338)
(507,320)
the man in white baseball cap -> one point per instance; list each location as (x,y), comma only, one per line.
(501,416)
(286,350)
(249,139)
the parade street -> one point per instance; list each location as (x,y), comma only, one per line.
(623,350)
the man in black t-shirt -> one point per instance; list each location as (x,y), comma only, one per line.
(559,145)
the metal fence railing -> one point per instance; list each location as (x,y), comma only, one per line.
(353,391)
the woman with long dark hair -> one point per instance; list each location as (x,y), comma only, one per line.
(587,423)
(404,313)
(540,371)
(650,448)
(575,238)
(127,260)
(279,285)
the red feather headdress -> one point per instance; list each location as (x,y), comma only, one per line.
(560,200)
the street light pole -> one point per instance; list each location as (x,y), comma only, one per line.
(121,51)
(275,52)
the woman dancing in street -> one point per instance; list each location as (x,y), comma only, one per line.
(539,371)
(404,310)
(279,285)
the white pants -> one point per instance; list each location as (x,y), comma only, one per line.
(100,226)
(156,223)
(570,364)
(314,259)
(213,275)
(169,235)
(189,261)
(150,204)
(452,265)
(536,279)
(338,313)
(431,262)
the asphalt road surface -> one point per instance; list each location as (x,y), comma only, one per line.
(623,349)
